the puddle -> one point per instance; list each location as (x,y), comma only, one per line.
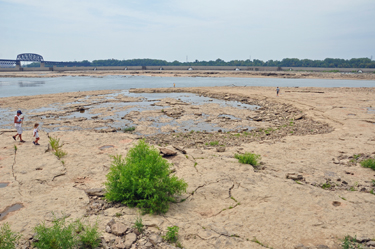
(10,209)
(3,184)
(352,114)
(106,147)
(370,110)
(116,111)
(228,116)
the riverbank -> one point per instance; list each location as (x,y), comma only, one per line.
(307,134)
(176,73)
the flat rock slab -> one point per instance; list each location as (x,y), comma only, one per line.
(130,239)
(119,229)
(167,152)
(220,149)
(95,192)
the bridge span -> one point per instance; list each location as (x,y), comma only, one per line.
(30,57)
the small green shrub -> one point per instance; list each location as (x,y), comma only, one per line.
(66,235)
(8,238)
(349,242)
(248,158)
(60,154)
(59,235)
(369,163)
(356,156)
(214,143)
(326,186)
(89,235)
(138,224)
(172,234)
(55,143)
(142,180)
(129,129)
(352,188)
(56,147)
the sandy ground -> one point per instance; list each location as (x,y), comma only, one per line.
(211,73)
(278,212)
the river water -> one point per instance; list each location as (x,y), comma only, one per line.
(35,86)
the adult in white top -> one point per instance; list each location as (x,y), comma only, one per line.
(18,124)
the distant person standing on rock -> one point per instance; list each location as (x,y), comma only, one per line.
(174,84)
(277,91)
(18,124)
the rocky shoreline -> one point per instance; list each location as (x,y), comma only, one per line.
(200,73)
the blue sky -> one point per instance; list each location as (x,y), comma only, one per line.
(200,29)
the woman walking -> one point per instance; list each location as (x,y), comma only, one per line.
(18,124)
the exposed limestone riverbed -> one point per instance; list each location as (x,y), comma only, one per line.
(307,137)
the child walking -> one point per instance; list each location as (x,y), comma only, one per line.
(36,134)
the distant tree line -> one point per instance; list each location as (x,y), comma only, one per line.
(287,62)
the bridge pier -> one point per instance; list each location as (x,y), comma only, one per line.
(42,64)
(18,64)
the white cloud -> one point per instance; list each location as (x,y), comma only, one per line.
(203,29)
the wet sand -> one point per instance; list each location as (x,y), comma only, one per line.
(315,133)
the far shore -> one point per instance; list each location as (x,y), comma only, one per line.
(176,73)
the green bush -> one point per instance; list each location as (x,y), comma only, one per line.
(172,234)
(369,163)
(129,129)
(248,158)
(142,180)
(60,236)
(89,235)
(66,235)
(8,238)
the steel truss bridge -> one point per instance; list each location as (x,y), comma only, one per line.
(34,58)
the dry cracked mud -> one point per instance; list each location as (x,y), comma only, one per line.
(227,204)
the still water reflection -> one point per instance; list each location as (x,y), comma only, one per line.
(35,86)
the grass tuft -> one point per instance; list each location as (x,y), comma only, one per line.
(214,143)
(129,129)
(248,158)
(368,163)
(348,242)
(138,224)
(56,147)
(172,234)
(326,186)
(60,154)
(55,143)
(89,236)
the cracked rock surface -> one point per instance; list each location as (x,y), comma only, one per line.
(227,204)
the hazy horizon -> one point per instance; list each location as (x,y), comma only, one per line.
(202,30)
